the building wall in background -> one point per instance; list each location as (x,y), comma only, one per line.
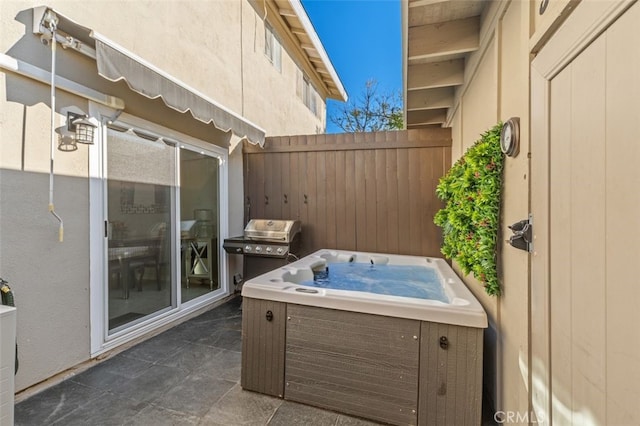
(215,47)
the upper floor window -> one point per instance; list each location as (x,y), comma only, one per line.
(309,96)
(272,47)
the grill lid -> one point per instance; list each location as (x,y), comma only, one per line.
(272,230)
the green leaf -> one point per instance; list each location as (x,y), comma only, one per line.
(471,191)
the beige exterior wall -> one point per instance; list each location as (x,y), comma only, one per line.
(216,47)
(496,88)
(221,56)
(562,340)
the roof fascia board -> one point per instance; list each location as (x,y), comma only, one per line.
(296,5)
(304,61)
(290,42)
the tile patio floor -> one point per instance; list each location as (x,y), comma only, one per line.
(188,375)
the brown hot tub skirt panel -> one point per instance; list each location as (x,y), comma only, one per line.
(392,370)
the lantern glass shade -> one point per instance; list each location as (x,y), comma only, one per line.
(84,130)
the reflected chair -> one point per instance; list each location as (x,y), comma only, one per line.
(155,259)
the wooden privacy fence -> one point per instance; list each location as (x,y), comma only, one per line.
(370,192)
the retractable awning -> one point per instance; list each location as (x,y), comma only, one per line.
(116,63)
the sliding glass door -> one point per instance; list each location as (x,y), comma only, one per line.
(199,226)
(162,225)
(140,227)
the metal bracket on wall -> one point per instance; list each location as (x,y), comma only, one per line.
(522,234)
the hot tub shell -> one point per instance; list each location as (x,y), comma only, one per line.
(392,359)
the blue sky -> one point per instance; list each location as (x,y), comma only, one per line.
(363,41)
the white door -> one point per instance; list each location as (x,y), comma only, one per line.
(585,197)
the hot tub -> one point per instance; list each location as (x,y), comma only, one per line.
(400,351)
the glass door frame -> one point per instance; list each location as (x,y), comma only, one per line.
(222,214)
(101,340)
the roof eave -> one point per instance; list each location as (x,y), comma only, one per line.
(339,92)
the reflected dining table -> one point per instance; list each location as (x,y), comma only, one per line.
(123,254)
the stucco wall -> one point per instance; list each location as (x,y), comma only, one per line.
(497,89)
(50,280)
(215,47)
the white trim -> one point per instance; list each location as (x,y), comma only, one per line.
(97,274)
(163,132)
(31,71)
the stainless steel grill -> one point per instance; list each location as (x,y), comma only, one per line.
(265,238)
(265,244)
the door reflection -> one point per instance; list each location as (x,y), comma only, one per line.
(139,221)
(199,206)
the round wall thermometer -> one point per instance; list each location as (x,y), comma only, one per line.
(510,137)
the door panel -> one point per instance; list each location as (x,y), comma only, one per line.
(623,219)
(577,233)
(199,214)
(560,245)
(139,192)
(584,339)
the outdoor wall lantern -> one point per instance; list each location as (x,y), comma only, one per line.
(79,129)
(82,126)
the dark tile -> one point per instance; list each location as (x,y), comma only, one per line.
(155,349)
(231,308)
(207,360)
(50,405)
(225,365)
(225,339)
(159,416)
(195,395)
(239,407)
(224,316)
(192,330)
(107,410)
(152,384)
(291,413)
(187,375)
(112,371)
(231,322)
(191,357)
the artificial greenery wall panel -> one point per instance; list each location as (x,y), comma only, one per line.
(470,219)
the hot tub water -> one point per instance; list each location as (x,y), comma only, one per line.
(393,280)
